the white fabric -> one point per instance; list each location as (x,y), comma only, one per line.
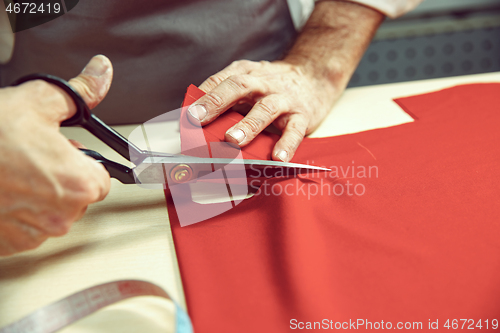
(300,10)
(391,8)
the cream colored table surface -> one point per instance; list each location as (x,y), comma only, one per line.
(128,236)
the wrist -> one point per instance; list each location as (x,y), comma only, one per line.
(333,41)
(332,76)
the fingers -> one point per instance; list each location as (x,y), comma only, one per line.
(26,230)
(264,112)
(293,134)
(224,89)
(269,109)
(51,104)
(103,182)
(280,92)
(225,95)
(94,81)
(88,183)
(92,84)
(236,68)
(16,237)
(76,144)
(100,171)
(48,183)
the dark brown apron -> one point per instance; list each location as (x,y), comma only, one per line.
(157,47)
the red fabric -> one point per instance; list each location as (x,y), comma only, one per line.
(422,242)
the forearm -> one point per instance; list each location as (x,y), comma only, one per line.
(333,41)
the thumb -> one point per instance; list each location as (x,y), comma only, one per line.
(94,81)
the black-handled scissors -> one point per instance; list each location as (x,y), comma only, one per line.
(151,167)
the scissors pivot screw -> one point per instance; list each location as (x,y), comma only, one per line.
(181,173)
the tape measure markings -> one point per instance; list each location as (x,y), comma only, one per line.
(60,314)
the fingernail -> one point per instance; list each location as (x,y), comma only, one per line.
(282,155)
(237,134)
(96,67)
(197,111)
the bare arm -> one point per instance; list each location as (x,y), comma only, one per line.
(333,41)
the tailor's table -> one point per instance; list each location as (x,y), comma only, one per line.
(127,236)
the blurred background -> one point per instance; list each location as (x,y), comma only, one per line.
(439,38)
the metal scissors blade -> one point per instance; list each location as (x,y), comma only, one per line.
(160,158)
(183,168)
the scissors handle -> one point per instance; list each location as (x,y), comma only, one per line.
(86,119)
(116,170)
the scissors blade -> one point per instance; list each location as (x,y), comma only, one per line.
(193,160)
(166,167)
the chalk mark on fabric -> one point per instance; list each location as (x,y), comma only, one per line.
(368,150)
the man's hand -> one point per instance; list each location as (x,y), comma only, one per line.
(296,93)
(45,182)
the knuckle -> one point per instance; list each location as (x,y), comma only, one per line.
(57,225)
(77,188)
(242,63)
(214,99)
(32,243)
(62,230)
(235,63)
(254,126)
(294,140)
(295,131)
(246,63)
(91,89)
(80,192)
(281,122)
(297,70)
(90,193)
(27,237)
(239,82)
(39,88)
(214,80)
(60,223)
(39,85)
(89,92)
(270,106)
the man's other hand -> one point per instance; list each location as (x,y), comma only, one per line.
(296,93)
(46,183)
